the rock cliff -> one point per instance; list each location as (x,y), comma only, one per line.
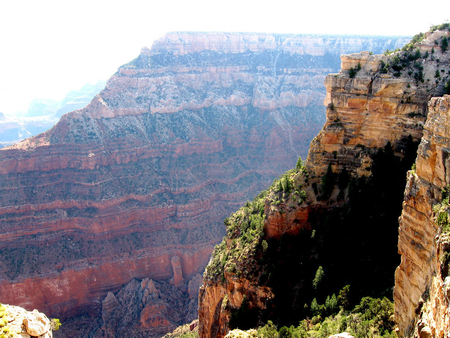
(420,294)
(136,185)
(345,200)
(422,282)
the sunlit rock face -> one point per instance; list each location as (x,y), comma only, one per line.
(369,105)
(421,281)
(178,139)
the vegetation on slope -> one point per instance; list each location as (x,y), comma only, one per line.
(351,244)
(371,318)
(356,218)
(244,247)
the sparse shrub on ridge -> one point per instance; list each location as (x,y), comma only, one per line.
(441,27)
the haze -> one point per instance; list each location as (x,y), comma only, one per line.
(51,47)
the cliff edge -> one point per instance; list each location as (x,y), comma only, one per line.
(328,217)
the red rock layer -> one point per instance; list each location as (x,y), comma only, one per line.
(178,139)
(145,173)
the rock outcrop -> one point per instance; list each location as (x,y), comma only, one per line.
(421,303)
(147,172)
(26,324)
(421,280)
(376,109)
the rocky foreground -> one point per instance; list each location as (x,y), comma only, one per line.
(15,320)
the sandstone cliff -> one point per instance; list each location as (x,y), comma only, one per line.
(343,203)
(420,294)
(421,300)
(136,185)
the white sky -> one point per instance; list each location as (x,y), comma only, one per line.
(48,48)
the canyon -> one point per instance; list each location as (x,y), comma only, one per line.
(346,200)
(109,218)
(43,114)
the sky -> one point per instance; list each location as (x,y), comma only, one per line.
(48,48)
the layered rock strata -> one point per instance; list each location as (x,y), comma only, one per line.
(421,281)
(375,102)
(178,139)
(421,301)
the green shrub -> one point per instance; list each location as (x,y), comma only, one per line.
(447,87)
(303,195)
(416,39)
(352,73)
(300,165)
(444,44)
(344,297)
(371,318)
(441,27)
(268,331)
(318,278)
(383,68)
(285,332)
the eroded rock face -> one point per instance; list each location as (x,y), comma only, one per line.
(420,294)
(368,108)
(366,111)
(179,138)
(216,300)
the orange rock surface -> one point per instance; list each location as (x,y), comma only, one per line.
(364,113)
(421,300)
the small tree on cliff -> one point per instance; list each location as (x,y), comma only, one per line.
(299,166)
(344,298)
(318,278)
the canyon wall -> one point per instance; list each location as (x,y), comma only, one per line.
(377,106)
(134,187)
(422,283)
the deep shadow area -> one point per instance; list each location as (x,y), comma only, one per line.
(354,243)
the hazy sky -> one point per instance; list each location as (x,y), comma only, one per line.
(48,48)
